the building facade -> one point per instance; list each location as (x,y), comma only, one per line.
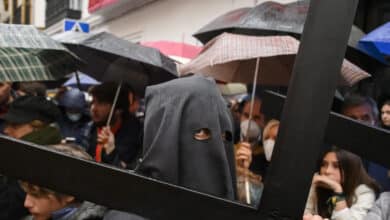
(151,20)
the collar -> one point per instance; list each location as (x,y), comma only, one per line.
(63,213)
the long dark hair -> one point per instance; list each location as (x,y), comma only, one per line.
(352,174)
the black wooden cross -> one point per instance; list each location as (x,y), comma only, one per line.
(303,124)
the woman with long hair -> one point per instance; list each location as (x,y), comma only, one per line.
(342,189)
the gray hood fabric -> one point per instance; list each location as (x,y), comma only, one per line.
(175,112)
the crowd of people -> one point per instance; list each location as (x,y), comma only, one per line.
(216,149)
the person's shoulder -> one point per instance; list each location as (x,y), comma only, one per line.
(363,188)
(89,210)
(385,197)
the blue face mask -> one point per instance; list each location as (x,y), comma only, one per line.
(74,116)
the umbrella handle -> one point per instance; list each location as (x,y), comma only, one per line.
(114,104)
(247,191)
(252,98)
(78,80)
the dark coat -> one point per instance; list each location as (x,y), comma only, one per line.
(70,129)
(128,142)
(176,112)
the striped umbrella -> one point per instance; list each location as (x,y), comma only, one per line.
(234,58)
(26,54)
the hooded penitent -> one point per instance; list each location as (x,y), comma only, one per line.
(188,136)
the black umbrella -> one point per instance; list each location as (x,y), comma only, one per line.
(110,58)
(269,18)
(272,18)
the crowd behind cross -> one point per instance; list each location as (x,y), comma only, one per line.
(169,144)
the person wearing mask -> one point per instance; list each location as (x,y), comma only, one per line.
(342,189)
(251,164)
(385,115)
(74,121)
(29,118)
(248,147)
(269,137)
(255,184)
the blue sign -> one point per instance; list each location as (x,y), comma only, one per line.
(73,25)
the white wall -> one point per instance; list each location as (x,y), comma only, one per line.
(174,20)
(38,9)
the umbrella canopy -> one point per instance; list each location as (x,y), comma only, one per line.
(178,51)
(111,58)
(85,80)
(273,18)
(232,58)
(377,43)
(26,54)
(268,18)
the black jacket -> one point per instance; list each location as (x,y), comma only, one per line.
(128,142)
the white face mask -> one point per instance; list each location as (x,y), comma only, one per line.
(268,146)
(254,133)
(74,116)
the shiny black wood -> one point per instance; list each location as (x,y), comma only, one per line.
(303,124)
(371,143)
(305,112)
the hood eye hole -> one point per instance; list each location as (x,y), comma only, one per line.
(202,134)
(227,136)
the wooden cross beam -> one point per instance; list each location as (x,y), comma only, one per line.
(302,129)
(305,113)
(369,142)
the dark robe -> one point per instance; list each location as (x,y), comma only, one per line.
(175,112)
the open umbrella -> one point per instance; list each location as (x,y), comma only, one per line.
(111,58)
(272,18)
(26,54)
(268,18)
(232,58)
(178,51)
(84,81)
(377,43)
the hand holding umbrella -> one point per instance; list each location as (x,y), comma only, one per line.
(106,139)
(244,159)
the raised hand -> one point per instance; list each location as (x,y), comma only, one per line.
(107,139)
(244,155)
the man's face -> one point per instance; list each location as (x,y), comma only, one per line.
(257,116)
(100,111)
(385,115)
(5,92)
(362,113)
(17,130)
(42,206)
